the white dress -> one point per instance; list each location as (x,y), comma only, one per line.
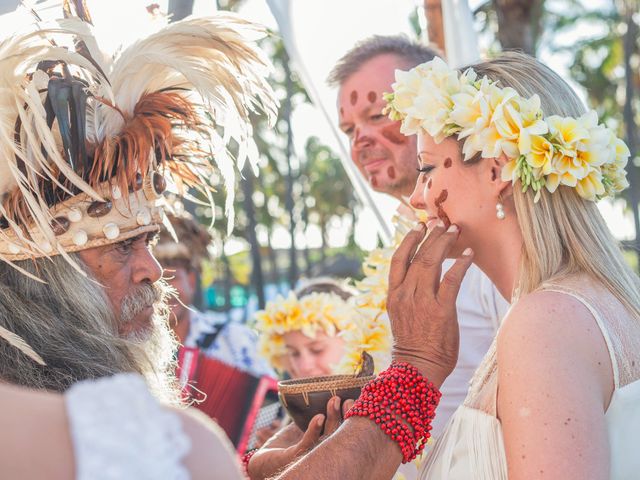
(120,432)
(472,447)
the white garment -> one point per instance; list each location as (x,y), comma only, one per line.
(480,308)
(472,445)
(120,432)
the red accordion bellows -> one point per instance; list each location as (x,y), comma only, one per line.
(230,396)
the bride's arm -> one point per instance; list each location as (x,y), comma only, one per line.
(555,380)
(35,440)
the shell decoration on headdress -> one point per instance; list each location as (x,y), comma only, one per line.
(89,143)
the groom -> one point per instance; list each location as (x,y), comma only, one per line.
(388,160)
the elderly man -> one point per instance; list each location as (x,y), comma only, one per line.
(88,146)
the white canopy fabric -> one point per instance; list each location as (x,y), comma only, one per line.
(460,39)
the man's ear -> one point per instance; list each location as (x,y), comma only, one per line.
(502,189)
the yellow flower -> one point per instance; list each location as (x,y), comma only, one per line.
(540,154)
(591,187)
(490,120)
(316,312)
(515,120)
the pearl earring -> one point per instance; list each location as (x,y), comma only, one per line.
(500,211)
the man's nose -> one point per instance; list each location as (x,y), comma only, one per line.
(146,268)
(363,137)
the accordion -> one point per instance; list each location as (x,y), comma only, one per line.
(232,397)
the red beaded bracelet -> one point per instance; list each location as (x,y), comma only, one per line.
(245,461)
(403,403)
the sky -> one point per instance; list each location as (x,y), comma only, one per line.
(324,30)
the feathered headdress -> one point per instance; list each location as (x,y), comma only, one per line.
(88,143)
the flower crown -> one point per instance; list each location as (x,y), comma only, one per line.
(310,314)
(543,152)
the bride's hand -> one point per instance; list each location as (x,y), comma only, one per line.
(422,304)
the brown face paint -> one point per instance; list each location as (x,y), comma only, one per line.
(441,213)
(372,96)
(391,173)
(429,182)
(447,162)
(374,181)
(354,97)
(341,112)
(392,133)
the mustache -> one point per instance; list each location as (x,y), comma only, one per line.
(148,295)
(373,154)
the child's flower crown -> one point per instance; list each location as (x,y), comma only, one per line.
(543,152)
(324,312)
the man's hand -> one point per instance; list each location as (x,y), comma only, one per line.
(290,442)
(422,305)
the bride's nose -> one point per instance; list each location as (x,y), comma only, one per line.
(419,193)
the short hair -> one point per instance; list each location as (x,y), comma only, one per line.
(413,52)
(326,285)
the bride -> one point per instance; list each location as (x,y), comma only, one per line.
(511,166)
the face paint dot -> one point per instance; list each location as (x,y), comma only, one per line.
(442,215)
(341,112)
(374,182)
(447,162)
(372,96)
(354,97)
(391,173)
(392,133)
(429,183)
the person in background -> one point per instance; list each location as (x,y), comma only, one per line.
(230,342)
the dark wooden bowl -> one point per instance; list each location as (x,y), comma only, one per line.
(304,398)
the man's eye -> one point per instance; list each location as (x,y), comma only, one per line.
(377,117)
(348,132)
(124,248)
(425,169)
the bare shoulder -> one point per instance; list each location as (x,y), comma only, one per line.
(211,450)
(547,318)
(550,333)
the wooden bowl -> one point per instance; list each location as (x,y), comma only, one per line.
(304,398)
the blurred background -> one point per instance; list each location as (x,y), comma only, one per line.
(307,213)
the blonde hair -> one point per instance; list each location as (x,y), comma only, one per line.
(563,233)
